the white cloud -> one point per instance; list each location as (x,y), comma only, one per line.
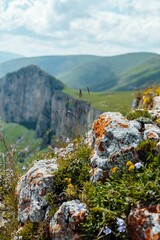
(76,26)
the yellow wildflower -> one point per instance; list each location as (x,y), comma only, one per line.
(70,185)
(68,180)
(70,192)
(131,167)
(146,100)
(148,91)
(158,121)
(113,170)
(158,91)
(129,163)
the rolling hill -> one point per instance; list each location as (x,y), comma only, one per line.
(144,75)
(6,56)
(53,65)
(122,72)
(104,73)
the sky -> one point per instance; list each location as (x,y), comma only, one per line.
(96,27)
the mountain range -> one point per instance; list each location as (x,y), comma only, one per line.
(122,72)
(6,56)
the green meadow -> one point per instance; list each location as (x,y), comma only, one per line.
(20,139)
(105,101)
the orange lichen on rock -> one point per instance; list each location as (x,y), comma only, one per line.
(57,227)
(151,135)
(143,223)
(100,147)
(150,236)
(100,124)
(43,192)
(154,209)
(123,125)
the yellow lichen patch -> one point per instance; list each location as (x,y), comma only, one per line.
(100,124)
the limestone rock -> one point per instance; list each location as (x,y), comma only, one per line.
(89,138)
(63,152)
(151,132)
(155,113)
(156,103)
(32,189)
(115,141)
(65,221)
(144,223)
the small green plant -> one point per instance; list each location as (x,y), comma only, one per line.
(70,177)
(137,114)
(147,150)
(8,182)
(28,231)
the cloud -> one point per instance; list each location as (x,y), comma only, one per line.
(75,26)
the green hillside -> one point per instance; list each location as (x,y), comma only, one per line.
(141,76)
(103,73)
(80,71)
(105,101)
(21,139)
(96,75)
(53,65)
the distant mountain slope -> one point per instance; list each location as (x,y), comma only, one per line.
(141,76)
(104,72)
(6,56)
(53,65)
(80,71)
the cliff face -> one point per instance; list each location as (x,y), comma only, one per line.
(33,98)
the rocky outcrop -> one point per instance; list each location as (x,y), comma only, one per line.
(35,99)
(32,190)
(115,141)
(64,224)
(144,223)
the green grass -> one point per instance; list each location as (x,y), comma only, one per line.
(105,101)
(21,138)
(144,75)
